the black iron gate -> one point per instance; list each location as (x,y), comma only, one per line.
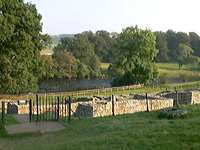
(50,108)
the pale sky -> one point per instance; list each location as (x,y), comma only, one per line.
(74,16)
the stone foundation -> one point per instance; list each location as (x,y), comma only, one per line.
(104,106)
(183,97)
(130,104)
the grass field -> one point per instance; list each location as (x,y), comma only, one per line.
(171,69)
(140,131)
(187,72)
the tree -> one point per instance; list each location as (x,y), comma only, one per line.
(184,54)
(65,64)
(82,50)
(195,43)
(135,63)
(48,67)
(103,45)
(183,38)
(172,44)
(161,45)
(20,44)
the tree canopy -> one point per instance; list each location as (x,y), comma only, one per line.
(20,44)
(135,62)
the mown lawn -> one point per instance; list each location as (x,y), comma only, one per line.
(172,70)
(140,131)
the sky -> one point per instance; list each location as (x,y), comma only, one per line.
(75,16)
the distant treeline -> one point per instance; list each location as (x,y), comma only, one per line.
(172,45)
(166,42)
(79,56)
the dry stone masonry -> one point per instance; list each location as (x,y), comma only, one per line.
(184,97)
(106,106)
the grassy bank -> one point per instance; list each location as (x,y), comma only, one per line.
(134,131)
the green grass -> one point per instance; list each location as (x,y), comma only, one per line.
(139,131)
(187,72)
(9,120)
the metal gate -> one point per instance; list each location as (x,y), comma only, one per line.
(50,108)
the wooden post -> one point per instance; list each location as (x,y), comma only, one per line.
(65,108)
(69,109)
(40,107)
(113,104)
(58,109)
(30,110)
(37,108)
(177,102)
(3,113)
(55,110)
(62,108)
(46,105)
(52,108)
(147,102)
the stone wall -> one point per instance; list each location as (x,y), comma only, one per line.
(104,106)
(195,97)
(129,104)
(183,97)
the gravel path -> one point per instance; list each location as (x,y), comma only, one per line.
(25,126)
(34,127)
(22,118)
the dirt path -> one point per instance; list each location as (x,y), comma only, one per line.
(22,118)
(34,127)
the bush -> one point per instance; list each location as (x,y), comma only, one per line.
(172,113)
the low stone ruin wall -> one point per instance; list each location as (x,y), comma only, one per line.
(100,106)
(196,97)
(183,97)
(130,104)
(104,106)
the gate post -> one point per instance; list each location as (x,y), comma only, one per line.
(147,102)
(177,102)
(58,113)
(30,110)
(69,109)
(3,113)
(37,107)
(113,104)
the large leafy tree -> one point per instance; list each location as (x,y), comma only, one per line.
(184,54)
(172,44)
(80,48)
(65,63)
(135,63)
(20,44)
(195,43)
(83,50)
(103,45)
(161,45)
